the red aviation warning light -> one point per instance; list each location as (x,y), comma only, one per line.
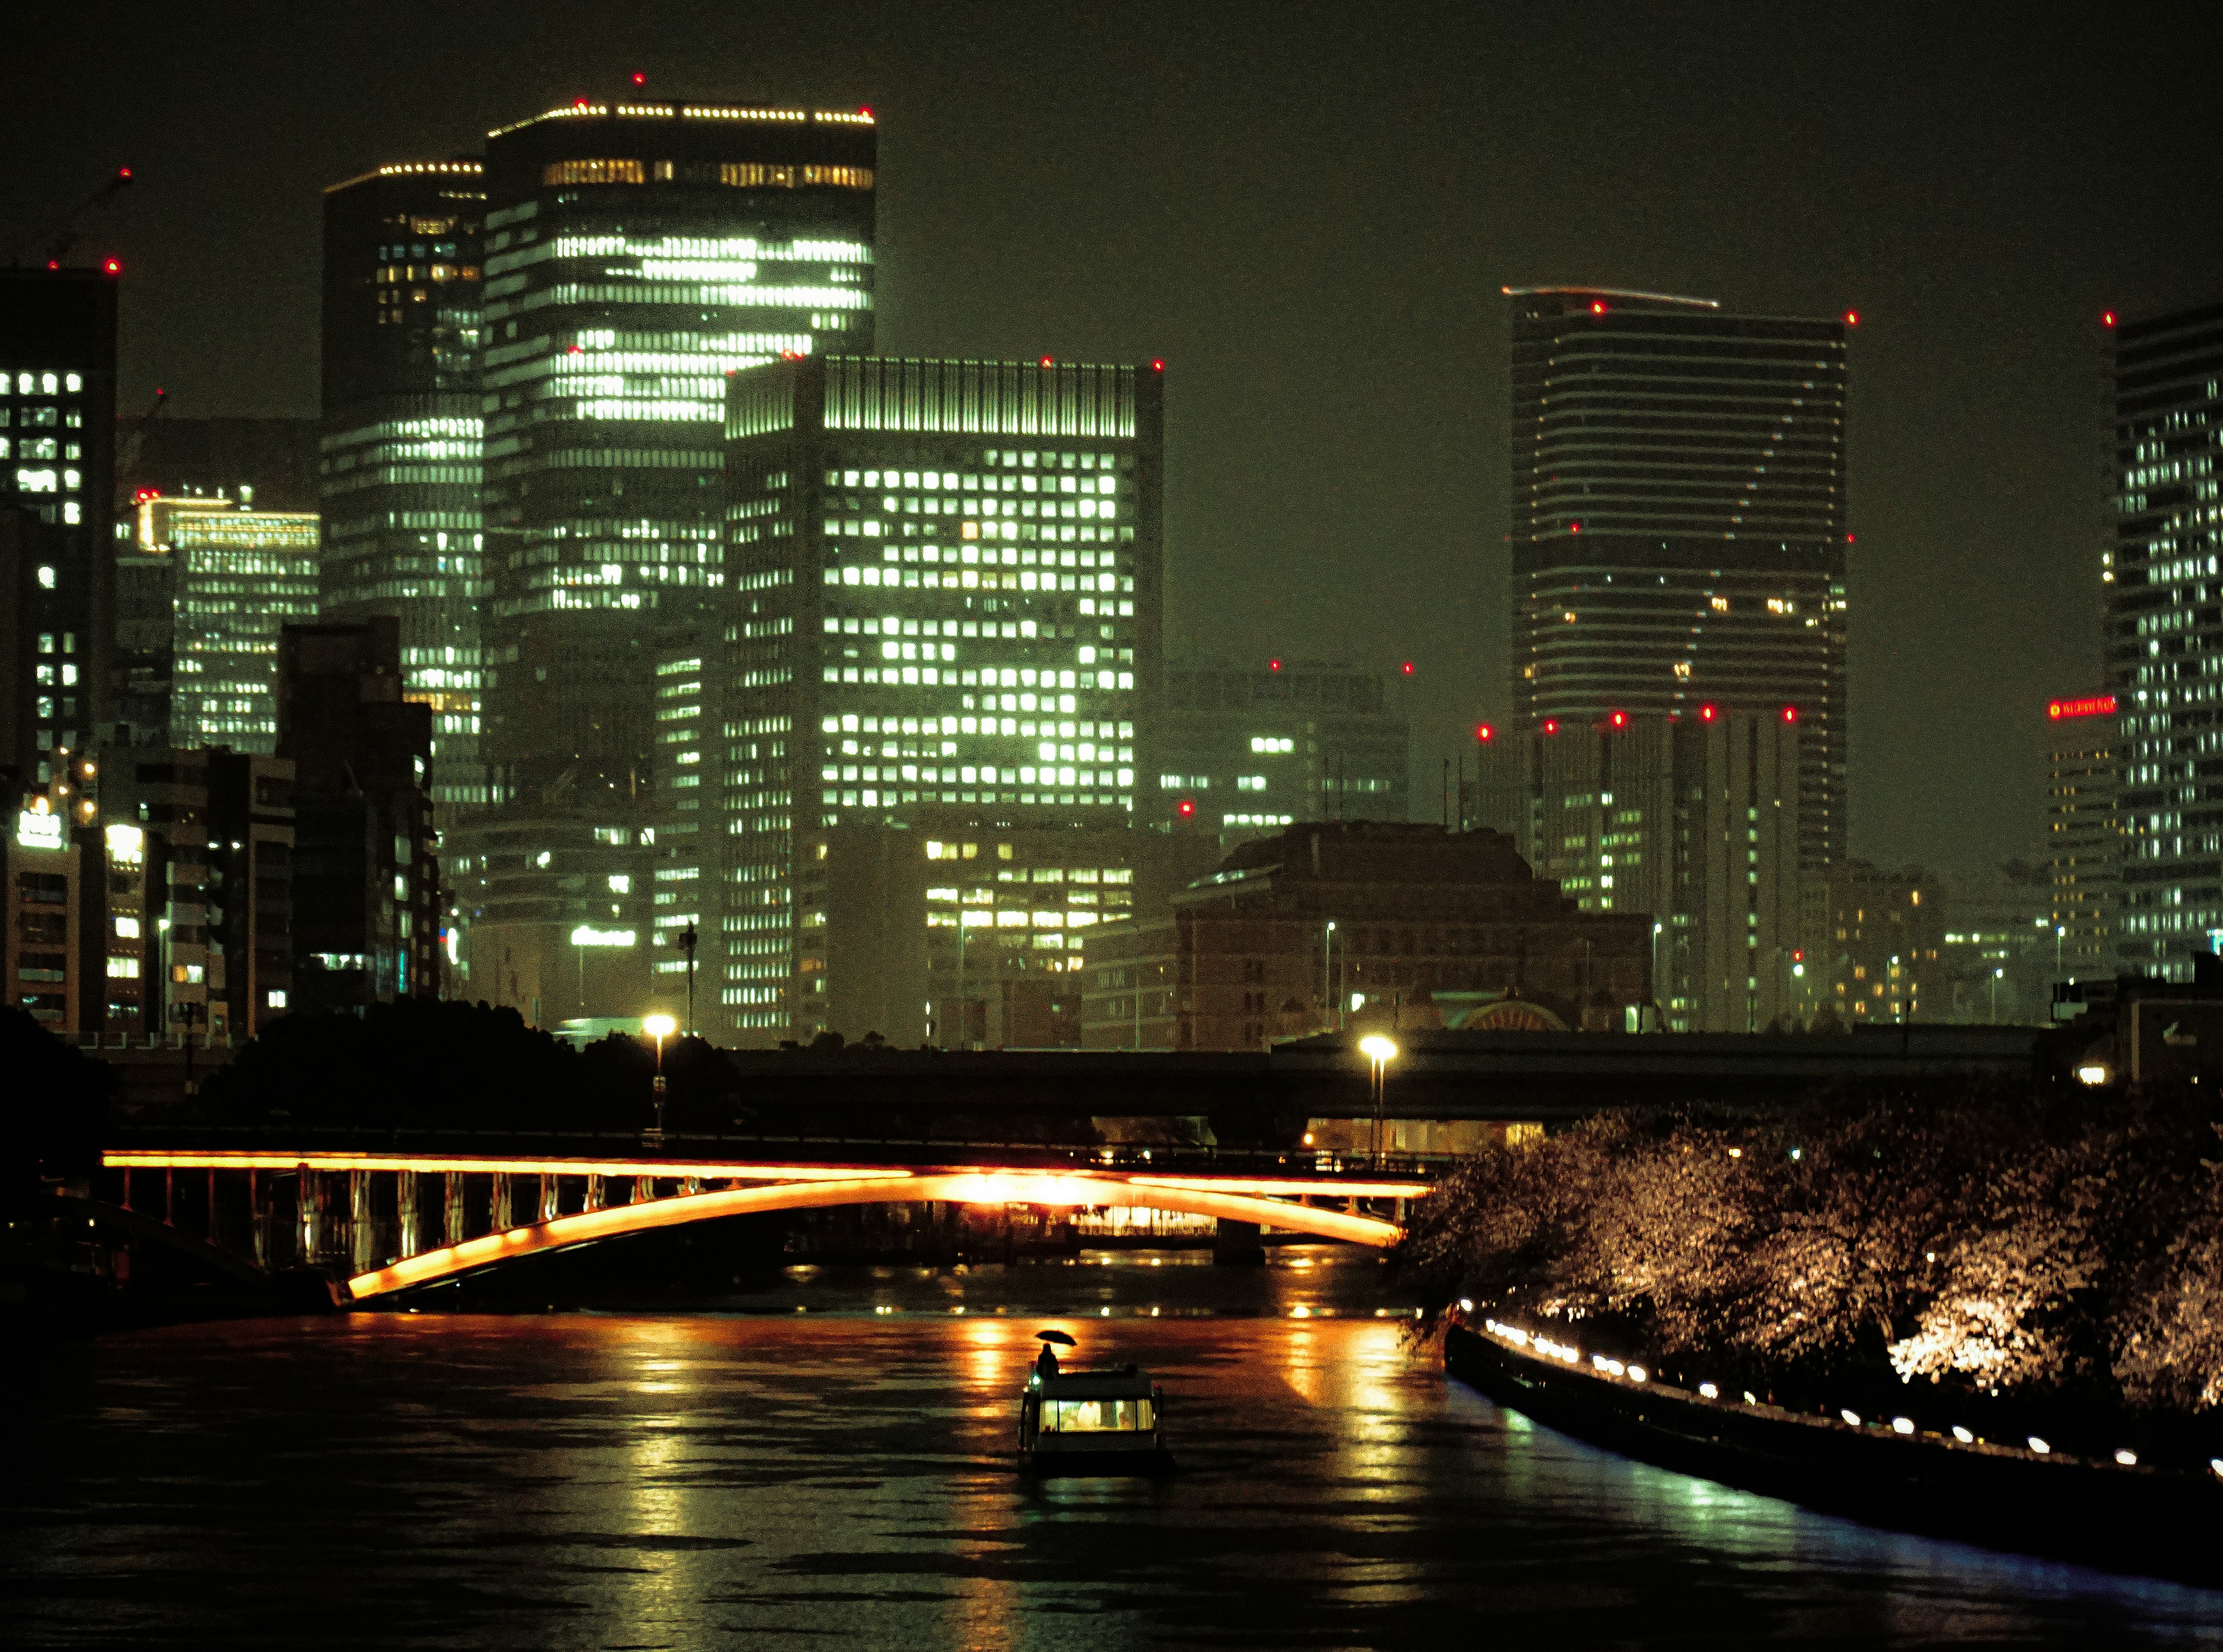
(1046,361)
(1408,667)
(1597,307)
(1483,734)
(1791,714)
(1273,665)
(1551,726)
(1798,955)
(638,78)
(2088,705)
(112,267)
(1619,719)
(1852,317)
(1157,364)
(1186,809)
(1706,713)
(2106,317)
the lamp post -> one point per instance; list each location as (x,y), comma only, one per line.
(659,1027)
(1380,1052)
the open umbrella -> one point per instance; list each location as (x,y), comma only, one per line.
(1059,1337)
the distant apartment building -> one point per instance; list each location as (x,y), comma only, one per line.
(1244,751)
(1882,946)
(214,845)
(2084,839)
(2164,638)
(1690,824)
(1679,524)
(1329,925)
(230,577)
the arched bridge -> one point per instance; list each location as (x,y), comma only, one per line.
(395,1221)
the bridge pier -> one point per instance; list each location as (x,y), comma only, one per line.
(597,1194)
(451,1208)
(405,1237)
(498,1203)
(1236,1244)
(362,1231)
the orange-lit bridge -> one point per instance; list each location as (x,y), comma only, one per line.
(389,1221)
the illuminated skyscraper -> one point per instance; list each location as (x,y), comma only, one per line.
(2164,637)
(1679,520)
(898,766)
(57,453)
(2084,843)
(234,578)
(401,438)
(636,252)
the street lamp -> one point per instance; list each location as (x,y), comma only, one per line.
(1380,1052)
(659,1027)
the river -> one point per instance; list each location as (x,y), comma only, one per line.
(823,1461)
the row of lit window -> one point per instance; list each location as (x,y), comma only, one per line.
(734,175)
(44,384)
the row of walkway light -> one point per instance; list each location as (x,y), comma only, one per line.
(1534,1342)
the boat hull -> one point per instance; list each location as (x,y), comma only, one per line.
(2153,1523)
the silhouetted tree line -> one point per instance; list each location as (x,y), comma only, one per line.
(418,1064)
(2004,1241)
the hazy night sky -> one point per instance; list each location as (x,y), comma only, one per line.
(1308,212)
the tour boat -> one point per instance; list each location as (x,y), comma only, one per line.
(1092,1422)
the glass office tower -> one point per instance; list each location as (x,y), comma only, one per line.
(1679,520)
(1244,752)
(636,252)
(2164,637)
(56,554)
(899,763)
(401,439)
(236,577)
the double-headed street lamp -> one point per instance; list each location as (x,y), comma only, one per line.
(659,1027)
(1380,1052)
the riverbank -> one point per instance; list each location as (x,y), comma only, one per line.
(2124,1515)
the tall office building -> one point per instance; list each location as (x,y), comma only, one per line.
(367,889)
(636,254)
(2084,843)
(1679,520)
(401,440)
(2164,637)
(229,578)
(1242,752)
(1689,823)
(57,455)
(899,766)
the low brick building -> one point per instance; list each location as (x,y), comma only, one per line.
(1348,923)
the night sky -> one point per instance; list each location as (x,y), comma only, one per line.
(1308,212)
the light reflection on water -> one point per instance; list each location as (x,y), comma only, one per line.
(592,1481)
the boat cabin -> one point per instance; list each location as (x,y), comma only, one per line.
(1093,1423)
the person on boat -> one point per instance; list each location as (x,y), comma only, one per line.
(1046,1361)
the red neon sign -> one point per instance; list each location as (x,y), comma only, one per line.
(2089,706)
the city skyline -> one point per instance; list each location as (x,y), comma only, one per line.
(1980,258)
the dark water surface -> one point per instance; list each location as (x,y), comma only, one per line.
(840,1476)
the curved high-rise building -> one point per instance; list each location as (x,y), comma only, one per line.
(1679,520)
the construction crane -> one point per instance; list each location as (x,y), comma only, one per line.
(72,229)
(134,438)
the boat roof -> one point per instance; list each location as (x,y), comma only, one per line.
(1125,1383)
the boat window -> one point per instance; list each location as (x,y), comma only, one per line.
(1095,1416)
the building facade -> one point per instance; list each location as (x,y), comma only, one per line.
(2084,843)
(1882,947)
(1364,923)
(1679,520)
(929,667)
(233,577)
(1245,752)
(1691,823)
(366,890)
(401,439)
(2164,636)
(57,459)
